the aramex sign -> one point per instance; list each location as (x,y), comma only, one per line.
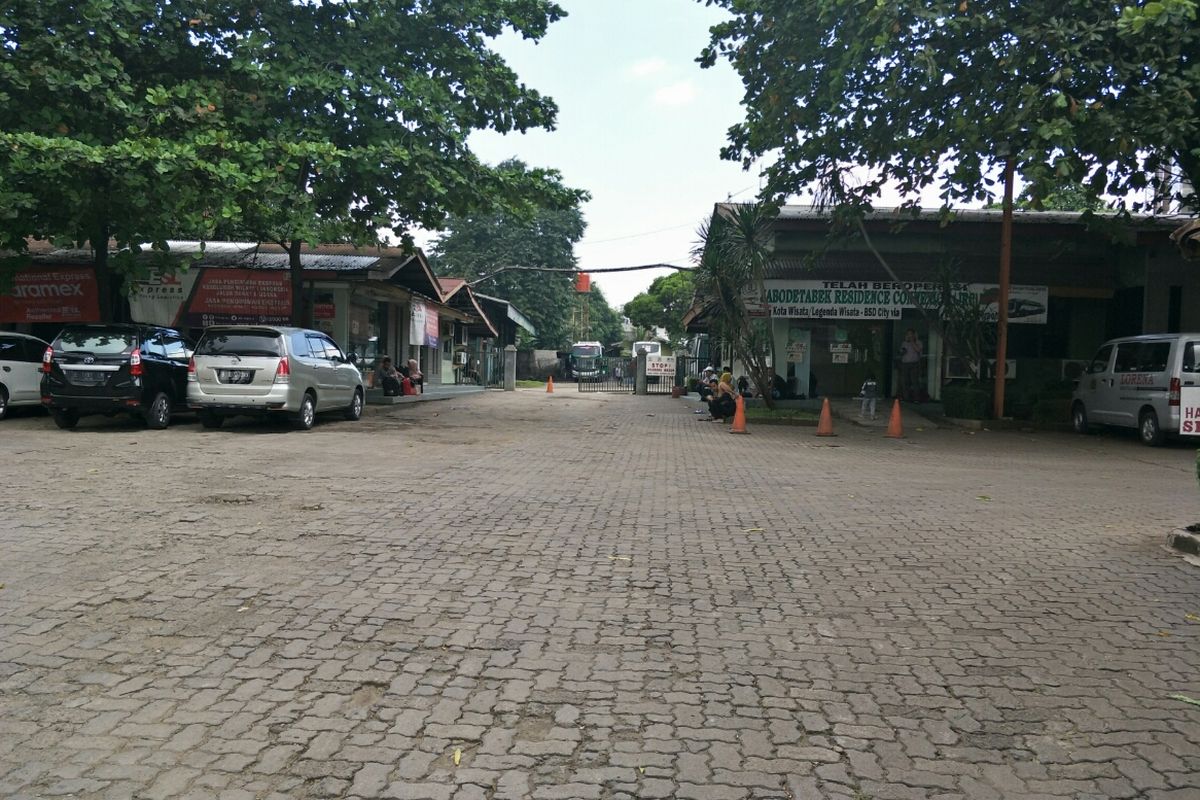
(66,294)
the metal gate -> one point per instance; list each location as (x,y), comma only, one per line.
(615,374)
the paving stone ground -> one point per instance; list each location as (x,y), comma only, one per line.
(564,596)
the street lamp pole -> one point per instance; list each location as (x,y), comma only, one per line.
(1005,271)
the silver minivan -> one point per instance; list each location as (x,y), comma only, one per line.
(268,369)
(1135,382)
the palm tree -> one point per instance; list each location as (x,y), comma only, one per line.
(732,255)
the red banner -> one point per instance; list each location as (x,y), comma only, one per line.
(583,283)
(241,296)
(63,294)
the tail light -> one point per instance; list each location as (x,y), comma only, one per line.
(48,360)
(192,369)
(1173,393)
(135,363)
(283,372)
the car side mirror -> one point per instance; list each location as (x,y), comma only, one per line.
(351,358)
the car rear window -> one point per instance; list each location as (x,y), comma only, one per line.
(96,342)
(240,343)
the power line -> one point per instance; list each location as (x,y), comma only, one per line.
(635,235)
(576,270)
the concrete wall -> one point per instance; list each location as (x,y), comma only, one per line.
(536,365)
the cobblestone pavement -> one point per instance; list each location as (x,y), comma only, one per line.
(555,596)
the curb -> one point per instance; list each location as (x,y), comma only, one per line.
(1184,541)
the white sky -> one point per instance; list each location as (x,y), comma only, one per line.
(640,126)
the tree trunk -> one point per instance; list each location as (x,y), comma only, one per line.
(301,312)
(105,293)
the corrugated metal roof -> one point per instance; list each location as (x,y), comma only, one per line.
(990,215)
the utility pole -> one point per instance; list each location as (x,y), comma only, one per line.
(1005,271)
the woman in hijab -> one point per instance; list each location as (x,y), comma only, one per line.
(415,377)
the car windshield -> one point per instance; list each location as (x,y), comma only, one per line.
(96,342)
(585,350)
(263,344)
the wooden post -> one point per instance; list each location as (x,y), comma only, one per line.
(1005,270)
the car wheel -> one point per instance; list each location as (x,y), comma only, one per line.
(1079,420)
(355,409)
(1149,429)
(307,414)
(211,420)
(66,418)
(158,415)
(3,402)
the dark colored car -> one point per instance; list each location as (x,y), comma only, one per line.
(107,369)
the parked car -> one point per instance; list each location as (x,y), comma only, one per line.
(107,369)
(20,370)
(1136,382)
(271,370)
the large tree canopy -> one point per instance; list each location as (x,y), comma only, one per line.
(479,245)
(919,94)
(663,304)
(287,122)
(104,111)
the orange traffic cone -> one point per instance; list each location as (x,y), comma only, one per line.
(739,416)
(550,384)
(895,428)
(825,424)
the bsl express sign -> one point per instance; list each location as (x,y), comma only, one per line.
(1189,411)
(883,300)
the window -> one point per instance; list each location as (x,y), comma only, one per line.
(1100,362)
(176,348)
(152,347)
(1142,357)
(332,351)
(10,349)
(261,344)
(1191,355)
(97,342)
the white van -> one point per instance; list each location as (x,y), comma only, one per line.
(1135,382)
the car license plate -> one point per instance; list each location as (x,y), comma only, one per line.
(236,375)
(85,376)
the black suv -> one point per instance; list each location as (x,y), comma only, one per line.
(106,369)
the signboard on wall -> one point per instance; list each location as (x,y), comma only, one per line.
(423,325)
(64,294)
(240,296)
(662,366)
(159,299)
(884,300)
(1189,411)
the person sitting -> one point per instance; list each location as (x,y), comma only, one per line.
(743,386)
(415,376)
(387,378)
(722,405)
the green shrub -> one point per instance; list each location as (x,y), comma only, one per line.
(967,400)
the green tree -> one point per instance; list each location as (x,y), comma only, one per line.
(921,94)
(105,118)
(663,304)
(477,246)
(732,257)
(347,118)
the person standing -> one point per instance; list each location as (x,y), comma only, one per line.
(869,394)
(910,366)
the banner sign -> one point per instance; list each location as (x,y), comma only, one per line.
(423,325)
(663,366)
(64,294)
(241,296)
(159,299)
(431,327)
(1189,411)
(884,300)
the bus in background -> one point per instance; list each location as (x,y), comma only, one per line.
(586,361)
(652,348)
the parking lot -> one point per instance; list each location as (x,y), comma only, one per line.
(591,596)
